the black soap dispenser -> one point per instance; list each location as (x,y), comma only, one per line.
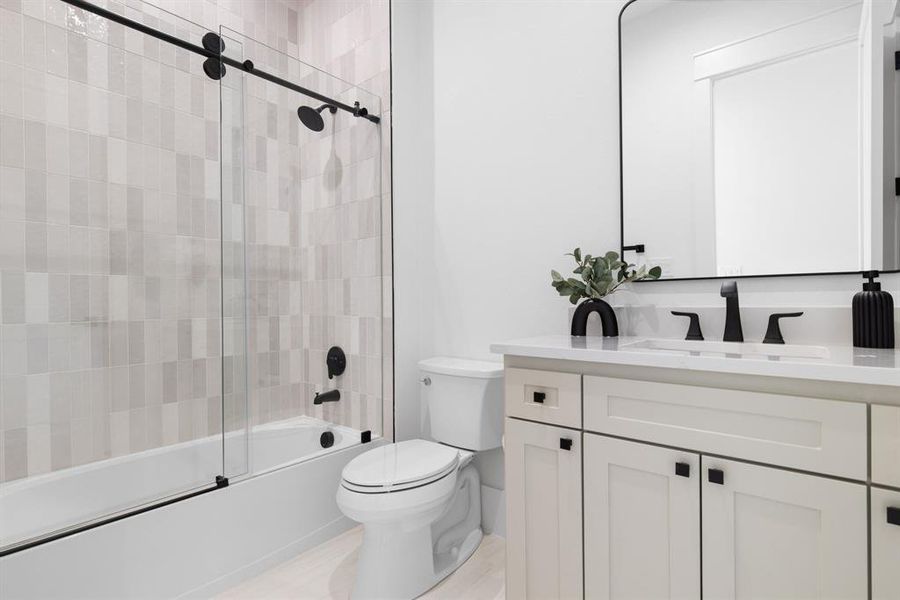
(873,315)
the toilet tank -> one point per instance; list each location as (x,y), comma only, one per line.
(465,401)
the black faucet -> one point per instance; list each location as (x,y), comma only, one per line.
(733,330)
(329,396)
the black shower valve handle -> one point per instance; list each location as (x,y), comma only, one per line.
(694,331)
(335,361)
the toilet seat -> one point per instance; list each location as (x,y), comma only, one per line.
(401,466)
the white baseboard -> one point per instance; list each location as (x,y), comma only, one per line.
(493,510)
(271,560)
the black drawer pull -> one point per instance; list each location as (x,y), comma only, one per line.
(683,469)
(717,476)
(565,444)
(539,397)
(893,515)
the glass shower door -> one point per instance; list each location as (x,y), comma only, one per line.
(111,270)
(312,212)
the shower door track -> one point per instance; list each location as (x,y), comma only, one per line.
(246,66)
(221,482)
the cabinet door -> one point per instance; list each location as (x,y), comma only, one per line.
(641,521)
(885,544)
(543,498)
(769,533)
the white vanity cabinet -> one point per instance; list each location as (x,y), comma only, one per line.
(886,445)
(770,533)
(692,489)
(641,520)
(543,474)
(885,544)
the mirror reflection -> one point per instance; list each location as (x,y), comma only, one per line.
(759,136)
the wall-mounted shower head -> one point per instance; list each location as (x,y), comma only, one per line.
(312,117)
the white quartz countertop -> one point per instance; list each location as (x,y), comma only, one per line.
(841,363)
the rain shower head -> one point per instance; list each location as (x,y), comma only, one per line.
(312,117)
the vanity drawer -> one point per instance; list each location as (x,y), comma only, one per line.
(545,396)
(886,445)
(821,436)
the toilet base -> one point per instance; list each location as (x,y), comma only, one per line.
(398,562)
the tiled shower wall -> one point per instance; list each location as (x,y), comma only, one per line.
(351,40)
(109,242)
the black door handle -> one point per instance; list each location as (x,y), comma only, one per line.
(539,397)
(717,476)
(683,469)
(565,444)
(893,515)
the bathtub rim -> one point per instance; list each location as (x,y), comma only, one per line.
(220,482)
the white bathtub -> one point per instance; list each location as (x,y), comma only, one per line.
(190,547)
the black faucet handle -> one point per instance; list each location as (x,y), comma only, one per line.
(773,332)
(694,332)
(729,289)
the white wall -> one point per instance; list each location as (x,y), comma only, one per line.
(412,68)
(523,153)
(524,156)
(522,123)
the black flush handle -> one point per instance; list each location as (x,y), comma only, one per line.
(717,476)
(565,444)
(683,469)
(539,397)
(893,515)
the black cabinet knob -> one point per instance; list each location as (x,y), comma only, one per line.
(893,515)
(717,476)
(565,444)
(539,397)
(683,469)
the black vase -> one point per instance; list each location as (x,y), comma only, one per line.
(608,320)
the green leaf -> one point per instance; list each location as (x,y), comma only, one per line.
(601,264)
(599,275)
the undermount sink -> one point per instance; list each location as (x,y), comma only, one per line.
(732,348)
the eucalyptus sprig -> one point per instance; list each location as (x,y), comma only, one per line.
(600,276)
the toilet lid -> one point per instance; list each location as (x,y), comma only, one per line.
(401,464)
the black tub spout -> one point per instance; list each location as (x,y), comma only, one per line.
(329,396)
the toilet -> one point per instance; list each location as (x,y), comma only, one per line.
(419,500)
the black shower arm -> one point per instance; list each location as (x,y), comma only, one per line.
(246,66)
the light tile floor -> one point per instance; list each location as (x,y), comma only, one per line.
(326,573)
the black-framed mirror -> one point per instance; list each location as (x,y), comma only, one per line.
(760,137)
